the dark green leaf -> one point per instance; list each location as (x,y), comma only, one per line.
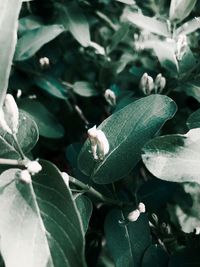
(47,124)
(127,131)
(85,89)
(175,157)
(191,88)
(34,39)
(118,37)
(155,256)
(9,11)
(127,243)
(41,226)
(187,257)
(84,206)
(194,120)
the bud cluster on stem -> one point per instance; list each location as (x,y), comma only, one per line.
(149,86)
(134,215)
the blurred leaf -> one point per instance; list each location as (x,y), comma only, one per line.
(118,37)
(47,124)
(85,89)
(9,11)
(155,256)
(165,53)
(187,257)
(194,120)
(127,131)
(148,23)
(187,62)
(28,23)
(180,9)
(191,88)
(27,137)
(84,206)
(128,2)
(41,226)
(34,39)
(51,85)
(127,242)
(189,26)
(175,157)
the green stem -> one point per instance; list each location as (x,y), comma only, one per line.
(12,162)
(18,147)
(95,193)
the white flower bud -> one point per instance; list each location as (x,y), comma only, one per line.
(25,176)
(146,84)
(19,93)
(44,62)
(160,83)
(3,124)
(110,97)
(133,215)
(11,113)
(99,143)
(33,167)
(181,46)
(65,177)
(141,207)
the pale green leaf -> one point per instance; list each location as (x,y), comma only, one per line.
(180,9)
(127,130)
(34,39)
(85,89)
(9,11)
(127,241)
(174,158)
(41,226)
(189,26)
(148,23)
(30,22)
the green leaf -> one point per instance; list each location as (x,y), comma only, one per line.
(180,9)
(127,130)
(186,257)
(77,24)
(175,157)
(27,137)
(84,206)
(155,256)
(51,85)
(34,39)
(194,120)
(128,2)
(28,23)
(148,23)
(47,124)
(189,26)
(118,36)
(165,53)
(41,226)
(191,88)
(9,11)
(85,89)
(127,242)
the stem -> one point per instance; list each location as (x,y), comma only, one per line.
(12,162)
(107,20)
(81,115)
(95,193)
(21,153)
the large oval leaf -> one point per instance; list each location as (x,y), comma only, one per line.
(41,226)
(127,131)
(127,243)
(174,157)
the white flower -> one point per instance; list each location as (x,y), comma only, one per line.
(11,113)
(99,143)
(141,207)
(65,177)
(33,167)
(146,84)
(110,97)
(25,177)
(133,215)
(160,83)
(44,62)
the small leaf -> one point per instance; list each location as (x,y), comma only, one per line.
(189,26)
(180,9)
(165,53)
(155,256)
(9,11)
(127,130)
(127,242)
(191,88)
(84,206)
(34,39)
(148,23)
(51,85)
(85,89)
(41,225)
(194,120)
(28,23)
(175,157)
(47,124)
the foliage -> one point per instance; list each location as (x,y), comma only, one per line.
(102,166)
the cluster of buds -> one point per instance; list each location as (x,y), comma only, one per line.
(9,115)
(134,215)
(110,97)
(181,46)
(149,86)
(32,168)
(44,62)
(99,143)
